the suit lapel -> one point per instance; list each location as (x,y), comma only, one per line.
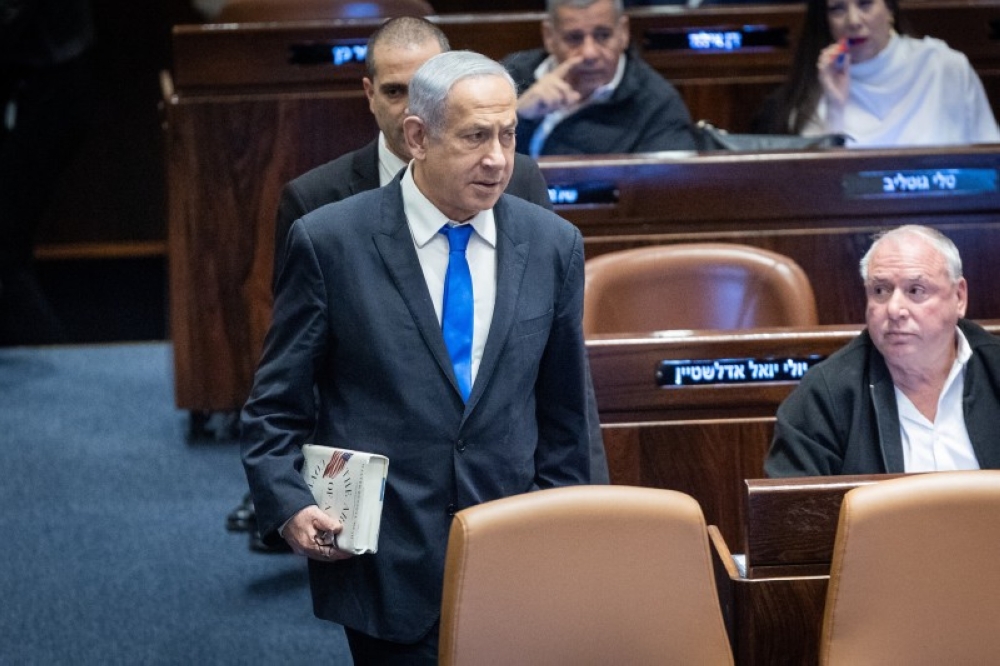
(364,168)
(395,245)
(512,255)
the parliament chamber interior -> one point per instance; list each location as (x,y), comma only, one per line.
(163,229)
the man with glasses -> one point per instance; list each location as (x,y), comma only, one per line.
(586,93)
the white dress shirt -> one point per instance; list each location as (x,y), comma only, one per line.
(389,163)
(425,222)
(944,444)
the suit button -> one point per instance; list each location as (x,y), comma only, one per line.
(460,445)
(451,509)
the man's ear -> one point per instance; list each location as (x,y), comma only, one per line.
(415,134)
(963,296)
(623,26)
(548,35)
(369,91)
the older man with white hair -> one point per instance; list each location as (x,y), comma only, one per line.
(916,391)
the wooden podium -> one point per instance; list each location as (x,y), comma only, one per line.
(773,600)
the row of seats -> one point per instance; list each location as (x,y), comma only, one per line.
(619,574)
(695,286)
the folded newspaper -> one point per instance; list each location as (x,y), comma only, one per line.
(349,486)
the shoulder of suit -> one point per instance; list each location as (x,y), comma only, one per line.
(329,177)
(359,209)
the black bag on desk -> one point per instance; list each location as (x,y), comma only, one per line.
(709,137)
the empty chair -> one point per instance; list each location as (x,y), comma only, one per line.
(914,576)
(582,575)
(260,11)
(692,286)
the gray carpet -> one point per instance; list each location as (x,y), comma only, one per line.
(113,547)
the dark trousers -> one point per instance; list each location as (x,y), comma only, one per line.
(370,651)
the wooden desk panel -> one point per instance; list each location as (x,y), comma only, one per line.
(705,459)
(774,614)
(772,621)
(791,523)
(225,178)
(701,440)
(624,372)
(791,203)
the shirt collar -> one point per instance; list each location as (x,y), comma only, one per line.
(389,163)
(426,220)
(964,351)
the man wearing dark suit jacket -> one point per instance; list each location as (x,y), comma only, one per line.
(395,50)
(358,322)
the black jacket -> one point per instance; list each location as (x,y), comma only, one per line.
(843,417)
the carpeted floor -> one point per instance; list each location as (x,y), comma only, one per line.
(113,547)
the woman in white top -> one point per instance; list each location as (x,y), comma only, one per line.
(856,74)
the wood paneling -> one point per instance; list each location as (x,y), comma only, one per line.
(226,178)
(791,203)
(774,612)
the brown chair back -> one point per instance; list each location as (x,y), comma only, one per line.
(263,11)
(914,577)
(582,575)
(695,286)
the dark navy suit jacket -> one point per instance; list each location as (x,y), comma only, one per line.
(353,320)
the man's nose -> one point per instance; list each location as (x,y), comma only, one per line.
(896,305)
(494,156)
(590,50)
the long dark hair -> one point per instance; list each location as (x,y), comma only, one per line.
(794,103)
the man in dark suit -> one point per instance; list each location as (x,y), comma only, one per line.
(356,357)
(395,51)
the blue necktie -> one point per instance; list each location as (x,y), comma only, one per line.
(456,318)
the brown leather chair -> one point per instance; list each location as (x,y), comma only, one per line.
(915,577)
(695,286)
(582,575)
(263,11)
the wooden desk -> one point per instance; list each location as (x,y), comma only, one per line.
(701,440)
(774,608)
(808,206)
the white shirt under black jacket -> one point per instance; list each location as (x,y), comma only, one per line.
(944,444)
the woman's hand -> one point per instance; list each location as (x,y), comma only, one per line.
(834,70)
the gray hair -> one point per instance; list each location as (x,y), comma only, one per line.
(403,31)
(431,84)
(938,241)
(552,5)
